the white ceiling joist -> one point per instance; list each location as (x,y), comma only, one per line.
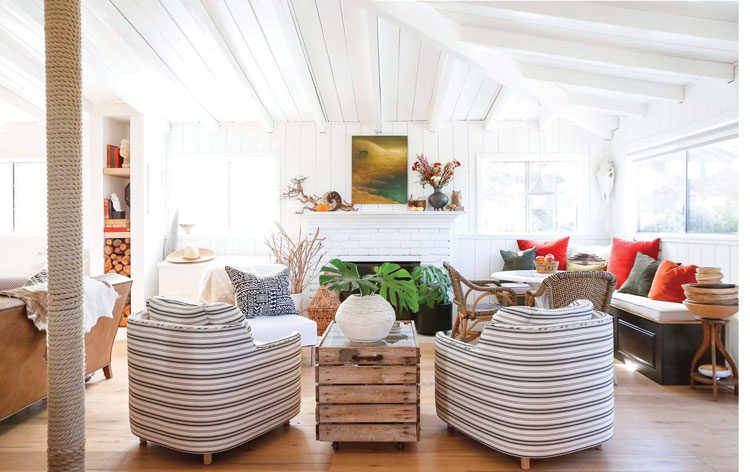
(112,16)
(374,50)
(445,68)
(445,34)
(608,105)
(200,13)
(643,88)
(22,104)
(500,101)
(621,19)
(595,53)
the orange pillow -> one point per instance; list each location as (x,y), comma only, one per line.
(667,284)
(558,248)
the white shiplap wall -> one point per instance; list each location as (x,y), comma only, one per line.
(325,157)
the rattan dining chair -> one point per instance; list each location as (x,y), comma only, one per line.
(561,289)
(490,297)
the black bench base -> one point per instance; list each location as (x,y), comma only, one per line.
(660,351)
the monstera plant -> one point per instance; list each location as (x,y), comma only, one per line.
(368,314)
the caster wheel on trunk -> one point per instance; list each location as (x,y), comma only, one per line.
(335,445)
(400,446)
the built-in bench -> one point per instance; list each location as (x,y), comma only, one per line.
(658,338)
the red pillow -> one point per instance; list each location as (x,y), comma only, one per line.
(667,284)
(558,248)
(623,253)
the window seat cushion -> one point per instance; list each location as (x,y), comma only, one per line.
(654,310)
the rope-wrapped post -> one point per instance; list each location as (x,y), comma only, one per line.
(66,436)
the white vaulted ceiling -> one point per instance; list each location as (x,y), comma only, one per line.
(376,61)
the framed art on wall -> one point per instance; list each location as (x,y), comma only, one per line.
(379,169)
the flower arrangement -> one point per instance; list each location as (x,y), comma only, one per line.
(436,175)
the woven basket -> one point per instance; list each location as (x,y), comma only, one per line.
(322,308)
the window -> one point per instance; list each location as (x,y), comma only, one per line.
(221,194)
(693,191)
(23,197)
(510,201)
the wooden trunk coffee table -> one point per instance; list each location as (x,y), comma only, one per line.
(368,392)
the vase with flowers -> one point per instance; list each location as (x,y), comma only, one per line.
(437,176)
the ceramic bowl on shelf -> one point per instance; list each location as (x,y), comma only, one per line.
(717,312)
(722,372)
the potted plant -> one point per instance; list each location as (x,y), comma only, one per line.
(300,256)
(368,314)
(435,307)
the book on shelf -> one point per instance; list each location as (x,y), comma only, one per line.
(114,161)
(117,222)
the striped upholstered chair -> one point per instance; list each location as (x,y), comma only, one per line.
(539,383)
(198,382)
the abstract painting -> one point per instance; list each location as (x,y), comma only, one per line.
(379,169)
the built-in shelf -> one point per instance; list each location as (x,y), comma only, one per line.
(117,172)
(117,234)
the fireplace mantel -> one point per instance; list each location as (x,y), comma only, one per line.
(371,220)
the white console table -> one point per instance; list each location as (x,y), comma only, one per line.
(183,280)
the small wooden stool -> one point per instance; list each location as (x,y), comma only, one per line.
(712,329)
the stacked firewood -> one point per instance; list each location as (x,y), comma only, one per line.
(117,261)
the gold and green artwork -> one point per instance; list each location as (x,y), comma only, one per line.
(379,169)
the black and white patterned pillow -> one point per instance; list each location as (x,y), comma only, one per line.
(262,295)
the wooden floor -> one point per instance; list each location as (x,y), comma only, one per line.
(656,429)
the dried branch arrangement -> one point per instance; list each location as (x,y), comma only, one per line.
(329,201)
(302,256)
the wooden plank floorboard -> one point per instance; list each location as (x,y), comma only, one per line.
(664,429)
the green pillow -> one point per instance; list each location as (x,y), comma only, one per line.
(518,260)
(641,276)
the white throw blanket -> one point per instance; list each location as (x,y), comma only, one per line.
(98,301)
(215,285)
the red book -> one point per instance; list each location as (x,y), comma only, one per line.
(113,157)
(106,208)
(116,230)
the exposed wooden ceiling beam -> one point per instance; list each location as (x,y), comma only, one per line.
(31,109)
(619,19)
(608,105)
(594,53)
(498,104)
(444,71)
(115,19)
(288,28)
(643,88)
(436,29)
(373,46)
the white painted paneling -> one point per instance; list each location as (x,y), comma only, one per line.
(408,63)
(388,42)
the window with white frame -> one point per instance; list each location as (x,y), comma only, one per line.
(520,194)
(694,190)
(23,196)
(226,193)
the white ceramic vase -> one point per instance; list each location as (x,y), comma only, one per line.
(365,319)
(298,299)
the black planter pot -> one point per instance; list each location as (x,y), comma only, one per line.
(431,320)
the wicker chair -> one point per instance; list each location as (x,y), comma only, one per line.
(479,310)
(561,289)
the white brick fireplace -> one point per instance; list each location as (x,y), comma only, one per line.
(388,236)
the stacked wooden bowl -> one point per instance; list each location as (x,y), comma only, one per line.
(709,275)
(716,301)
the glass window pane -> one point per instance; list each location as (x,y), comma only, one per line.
(503,200)
(254,195)
(661,193)
(713,182)
(30,201)
(558,210)
(200,189)
(6,197)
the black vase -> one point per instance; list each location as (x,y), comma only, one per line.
(431,320)
(438,199)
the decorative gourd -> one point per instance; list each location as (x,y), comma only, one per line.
(322,207)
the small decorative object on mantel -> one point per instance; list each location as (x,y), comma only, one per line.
(329,201)
(455,204)
(368,314)
(437,176)
(419,204)
(300,256)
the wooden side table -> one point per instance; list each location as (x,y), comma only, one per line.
(712,330)
(368,392)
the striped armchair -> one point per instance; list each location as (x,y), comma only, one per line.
(202,385)
(539,383)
